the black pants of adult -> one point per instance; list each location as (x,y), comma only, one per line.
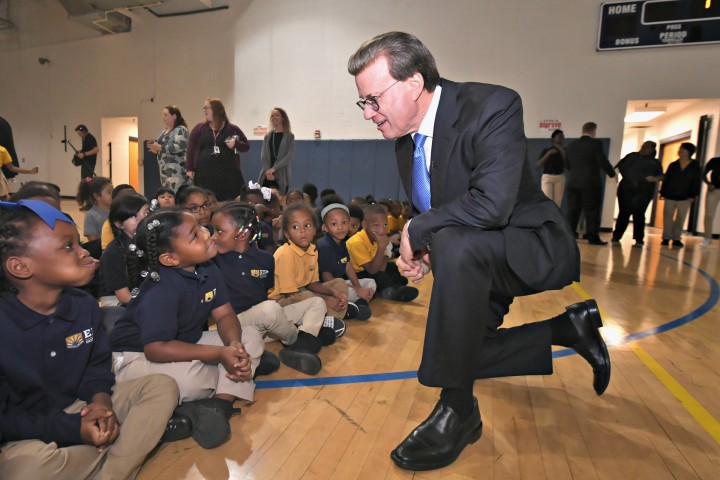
(390,277)
(633,200)
(587,200)
(473,288)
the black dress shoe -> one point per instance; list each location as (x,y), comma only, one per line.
(586,322)
(439,440)
(178,427)
(596,241)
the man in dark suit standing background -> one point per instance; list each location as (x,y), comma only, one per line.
(484,225)
(585,160)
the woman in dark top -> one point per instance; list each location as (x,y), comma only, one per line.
(680,187)
(552,159)
(213,154)
(278,152)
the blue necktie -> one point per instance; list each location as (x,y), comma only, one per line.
(420,176)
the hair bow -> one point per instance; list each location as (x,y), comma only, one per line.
(266,193)
(253,186)
(45,211)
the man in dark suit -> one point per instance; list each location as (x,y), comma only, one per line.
(585,160)
(489,231)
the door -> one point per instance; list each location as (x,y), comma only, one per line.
(133,163)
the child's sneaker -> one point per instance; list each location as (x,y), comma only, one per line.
(336,324)
(357,312)
(268,364)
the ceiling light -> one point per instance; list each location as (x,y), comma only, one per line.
(644,114)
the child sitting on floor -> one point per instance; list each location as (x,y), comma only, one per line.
(249,274)
(162,330)
(367,254)
(61,412)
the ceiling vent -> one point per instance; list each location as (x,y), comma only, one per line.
(85,13)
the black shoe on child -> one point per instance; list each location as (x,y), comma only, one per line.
(678,244)
(268,364)
(336,324)
(665,242)
(357,312)
(400,294)
(326,335)
(210,418)
(305,343)
(305,362)
(178,427)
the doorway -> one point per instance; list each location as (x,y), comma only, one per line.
(120,146)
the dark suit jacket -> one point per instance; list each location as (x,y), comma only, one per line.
(481,178)
(585,158)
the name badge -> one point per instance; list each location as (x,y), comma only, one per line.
(216,150)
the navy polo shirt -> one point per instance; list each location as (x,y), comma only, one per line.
(113,269)
(175,308)
(333,257)
(46,363)
(248,276)
(265,237)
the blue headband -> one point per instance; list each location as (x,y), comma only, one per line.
(44,210)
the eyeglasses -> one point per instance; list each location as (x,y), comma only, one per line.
(197,208)
(372,100)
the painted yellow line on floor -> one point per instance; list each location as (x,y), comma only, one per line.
(700,413)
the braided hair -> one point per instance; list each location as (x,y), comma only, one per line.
(153,237)
(15,233)
(122,208)
(244,216)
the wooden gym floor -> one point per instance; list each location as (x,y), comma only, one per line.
(657,420)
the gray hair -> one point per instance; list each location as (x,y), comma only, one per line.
(405,55)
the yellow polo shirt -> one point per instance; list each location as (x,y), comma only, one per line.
(361,250)
(295,268)
(395,224)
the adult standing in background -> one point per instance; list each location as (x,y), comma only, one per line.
(88,152)
(641,172)
(213,153)
(552,159)
(489,231)
(585,161)
(712,198)
(170,148)
(679,188)
(278,151)
(7,141)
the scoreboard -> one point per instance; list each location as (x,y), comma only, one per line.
(658,23)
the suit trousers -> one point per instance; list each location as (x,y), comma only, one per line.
(633,200)
(711,202)
(674,216)
(588,200)
(143,407)
(472,291)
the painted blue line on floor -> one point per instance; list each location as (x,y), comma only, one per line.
(709,303)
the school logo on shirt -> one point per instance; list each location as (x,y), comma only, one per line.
(88,335)
(209,296)
(257,273)
(343,260)
(74,341)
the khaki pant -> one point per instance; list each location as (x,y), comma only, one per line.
(143,407)
(674,215)
(711,202)
(553,186)
(196,380)
(304,294)
(364,283)
(282,323)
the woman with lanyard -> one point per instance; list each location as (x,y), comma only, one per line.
(213,154)
(170,147)
(278,152)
